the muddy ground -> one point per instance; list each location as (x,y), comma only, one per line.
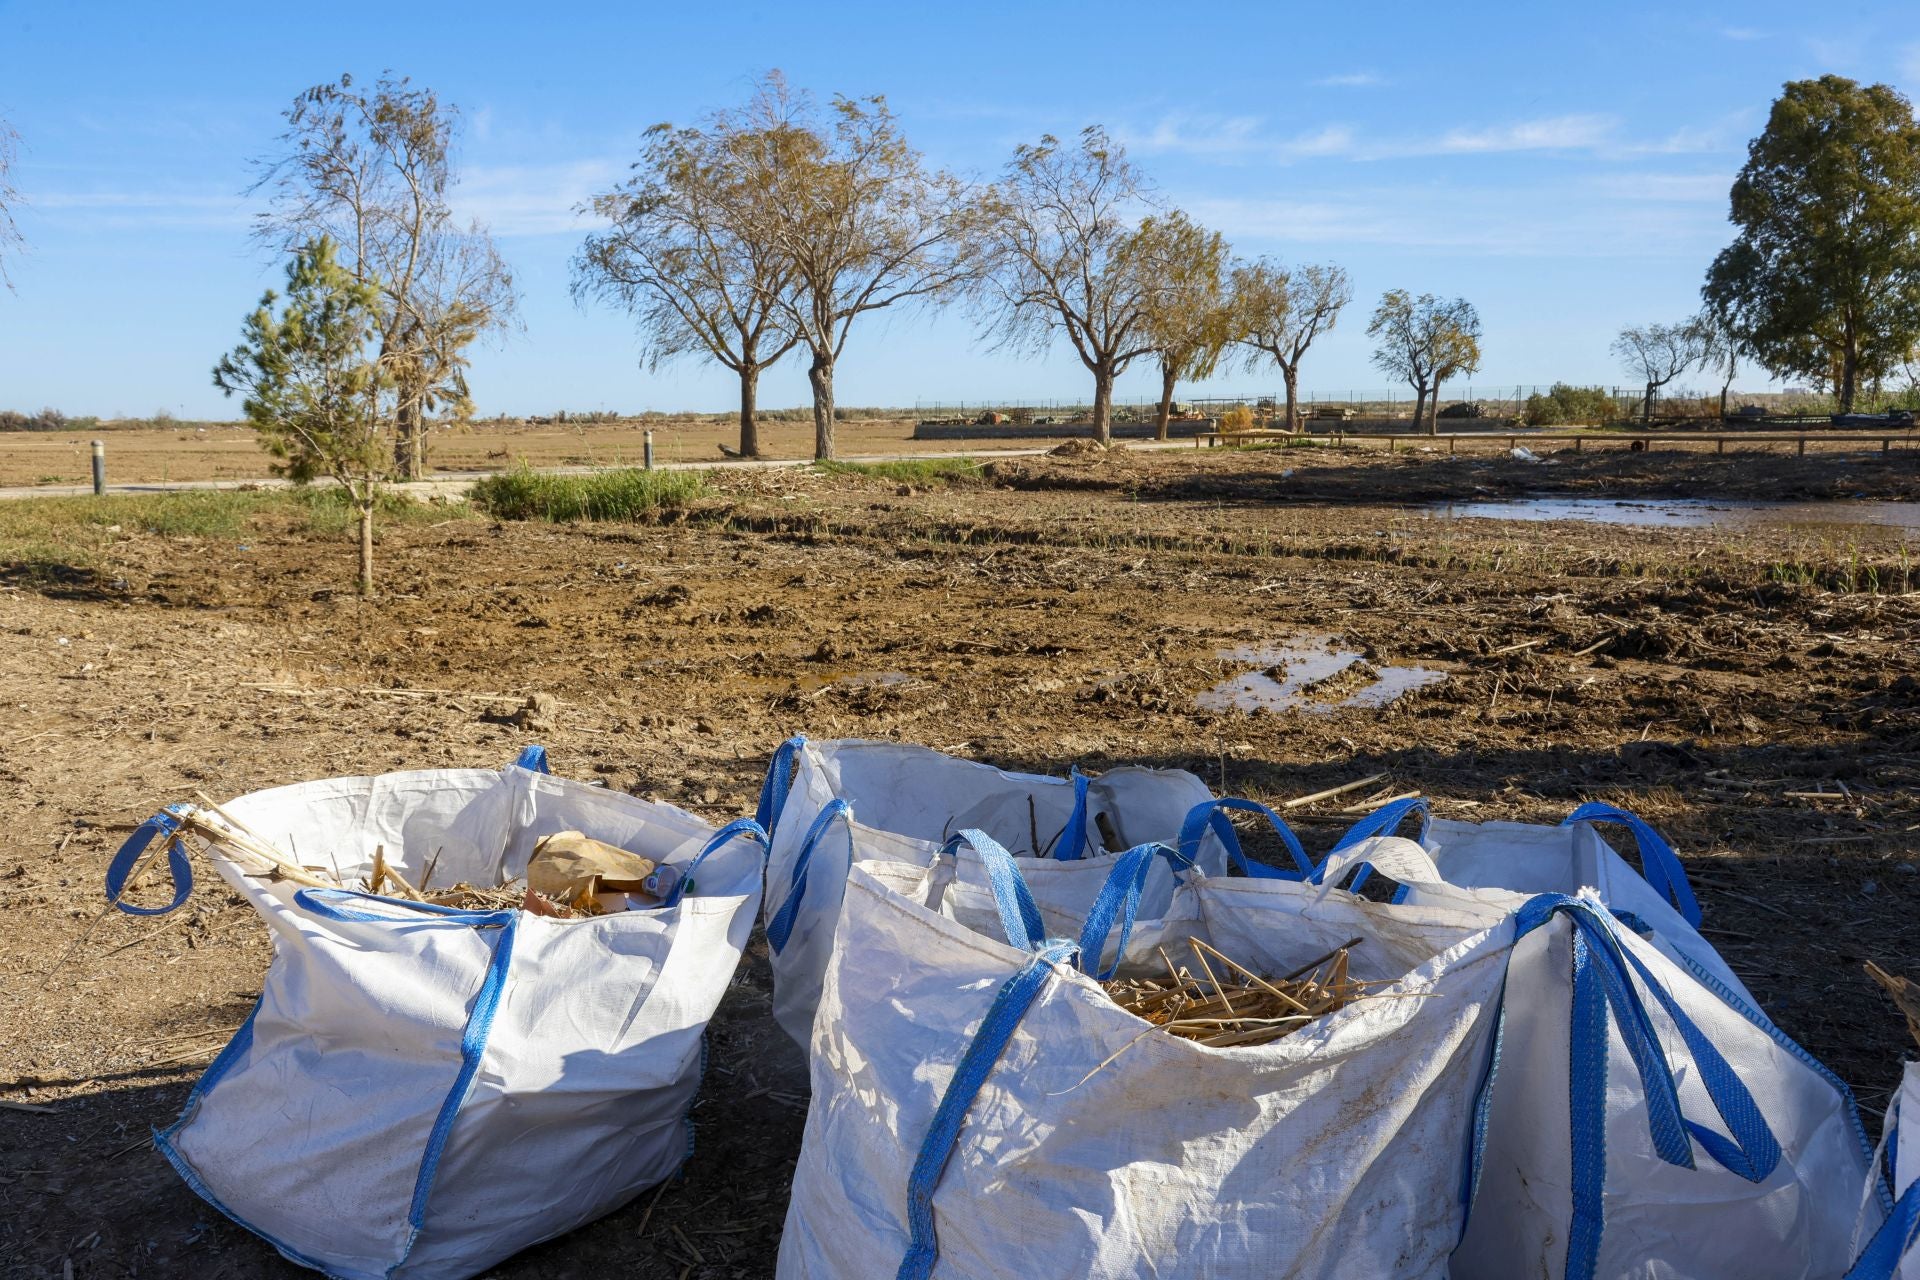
(1754,695)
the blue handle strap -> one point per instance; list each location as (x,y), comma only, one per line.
(780,928)
(165,824)
(533,759)
(1210,815)
(1604,992)
(738,828)
(1120,898)
(1881,1259)
(1382,821)
(1019,916)
(337,905)
(1658,862)
(773,791)
(1072,845)
(1010,1005)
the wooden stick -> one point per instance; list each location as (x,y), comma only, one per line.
(388,873)
(1311,965)
(1601,643)
(1370,805)
(1512,648)
(1253,977)
(1218,990)
(1331,792)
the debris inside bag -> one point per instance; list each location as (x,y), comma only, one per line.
(1225,1003)
(591,876)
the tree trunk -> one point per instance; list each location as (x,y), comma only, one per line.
(1168,375)
(1291,373)
(820,376)
(1103,404)
(1419,404)
(1646,405)
(749,403)
(366,545)
(409,436)
(1849,372)
(1725,387)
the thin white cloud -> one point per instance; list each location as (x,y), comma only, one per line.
(1250,139)
(1673,188)
(1908,64)
(1743,35)
(1352,80)
(532,200)
(1512,223)
(1551,133)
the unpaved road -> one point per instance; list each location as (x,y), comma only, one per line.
(1743,692)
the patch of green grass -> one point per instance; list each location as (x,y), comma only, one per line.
(621,494)
(926,471)
(77,532)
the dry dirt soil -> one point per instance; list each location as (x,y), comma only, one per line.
(1746,693)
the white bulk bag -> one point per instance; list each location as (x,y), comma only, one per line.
(1893,1253)
(422,1091)
(983,1109)
(1640,1123)
(1531,859)
(827,805)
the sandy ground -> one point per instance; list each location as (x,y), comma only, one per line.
(1738,690)
(234,453)
(150,456)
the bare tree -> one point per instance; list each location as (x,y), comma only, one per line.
(1191,322)
(1721,352)
(10,200)
(372,171)
(1066,235)
(1282,312)
(1425,341)
(1659,353)
(853,214)
(683,257)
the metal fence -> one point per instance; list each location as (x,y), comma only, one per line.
(1502,401)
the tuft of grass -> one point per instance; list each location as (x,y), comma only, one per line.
(923,471)
(77,532)
(625,493)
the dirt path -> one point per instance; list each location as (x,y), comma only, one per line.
(1062,610)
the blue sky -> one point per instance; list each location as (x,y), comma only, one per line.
(1563,167)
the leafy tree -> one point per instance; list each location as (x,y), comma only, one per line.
(315,386)
(852,214)
(10,240)
(1067,257)
(1191,323)
(682,256)
(1563,405)
(1425,341)
(372,171)
(1721,351)
(1823,279)
(1657,354)
(1282,312)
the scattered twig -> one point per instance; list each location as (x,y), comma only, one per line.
(1331,792)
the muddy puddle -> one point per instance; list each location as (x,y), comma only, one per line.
(1313,674)
(1898,519)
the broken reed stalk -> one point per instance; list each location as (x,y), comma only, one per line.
(1243,1009)
(1331,792)
(1905,993)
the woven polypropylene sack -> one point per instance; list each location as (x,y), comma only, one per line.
(1645,1122)
(852,800)
(1096,1147)
(1528,858)
(421,1094)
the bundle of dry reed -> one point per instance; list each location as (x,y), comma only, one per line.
(1233,1005)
